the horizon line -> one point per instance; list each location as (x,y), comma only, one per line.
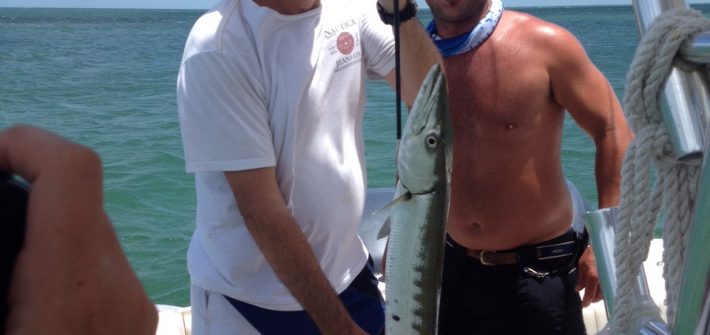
(421,4)
(205,8)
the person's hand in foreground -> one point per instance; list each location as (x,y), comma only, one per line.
(72,276)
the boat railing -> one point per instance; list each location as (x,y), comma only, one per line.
(684,104)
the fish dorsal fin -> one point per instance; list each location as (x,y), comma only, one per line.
(385,229)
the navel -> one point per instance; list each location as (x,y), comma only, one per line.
(510,125)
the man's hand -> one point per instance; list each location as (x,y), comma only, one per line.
(388,5)
(588,278)
(71,277)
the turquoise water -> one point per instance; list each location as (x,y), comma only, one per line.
(106,78)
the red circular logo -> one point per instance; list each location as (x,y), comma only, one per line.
(346,43)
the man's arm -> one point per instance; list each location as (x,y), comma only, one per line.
(589,98)
(417,55)
(286,249)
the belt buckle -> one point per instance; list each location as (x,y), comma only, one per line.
(534,273)
(482,257)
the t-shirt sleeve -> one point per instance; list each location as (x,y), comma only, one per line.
(224,120)
(377,43)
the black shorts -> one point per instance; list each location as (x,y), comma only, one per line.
(505,300)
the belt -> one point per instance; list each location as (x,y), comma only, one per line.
(565,245)
(490,258)
(540,253)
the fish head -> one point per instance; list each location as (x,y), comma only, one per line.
(425,150)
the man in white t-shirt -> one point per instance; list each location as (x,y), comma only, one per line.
(270,99)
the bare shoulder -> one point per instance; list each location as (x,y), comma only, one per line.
(536,30)
(545,39)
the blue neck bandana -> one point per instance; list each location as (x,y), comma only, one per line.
(470,40)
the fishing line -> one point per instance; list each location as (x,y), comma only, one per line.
(397,74)
(397,83)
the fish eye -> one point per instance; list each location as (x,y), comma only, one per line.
(431,140)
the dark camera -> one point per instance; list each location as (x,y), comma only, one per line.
(13,214)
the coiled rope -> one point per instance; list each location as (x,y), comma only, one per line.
(673,190)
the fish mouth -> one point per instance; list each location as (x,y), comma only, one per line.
(429,190)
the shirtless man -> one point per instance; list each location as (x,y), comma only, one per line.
(509,87)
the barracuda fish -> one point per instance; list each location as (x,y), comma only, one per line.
(417,222)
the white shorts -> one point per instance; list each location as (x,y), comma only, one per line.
(212,314)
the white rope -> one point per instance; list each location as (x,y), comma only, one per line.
(671,191)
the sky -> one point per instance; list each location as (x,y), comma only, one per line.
(202,4)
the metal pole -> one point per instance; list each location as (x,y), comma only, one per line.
(684,98)
(700,49)
(600,224)
(685,109)
(704,324)
(696,270)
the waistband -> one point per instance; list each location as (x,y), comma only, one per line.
(549,256)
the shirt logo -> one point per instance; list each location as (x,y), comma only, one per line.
(345,43)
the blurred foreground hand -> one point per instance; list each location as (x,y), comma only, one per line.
(72,276)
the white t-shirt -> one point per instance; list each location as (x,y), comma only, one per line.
(259,89)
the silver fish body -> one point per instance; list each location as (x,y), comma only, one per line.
(419,212)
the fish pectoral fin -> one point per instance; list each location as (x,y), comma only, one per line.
(386,226)
(384,230)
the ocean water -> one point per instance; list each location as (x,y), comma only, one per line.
(106,78)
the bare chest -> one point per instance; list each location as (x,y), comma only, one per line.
(497,94)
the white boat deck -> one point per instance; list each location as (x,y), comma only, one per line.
(176,320)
